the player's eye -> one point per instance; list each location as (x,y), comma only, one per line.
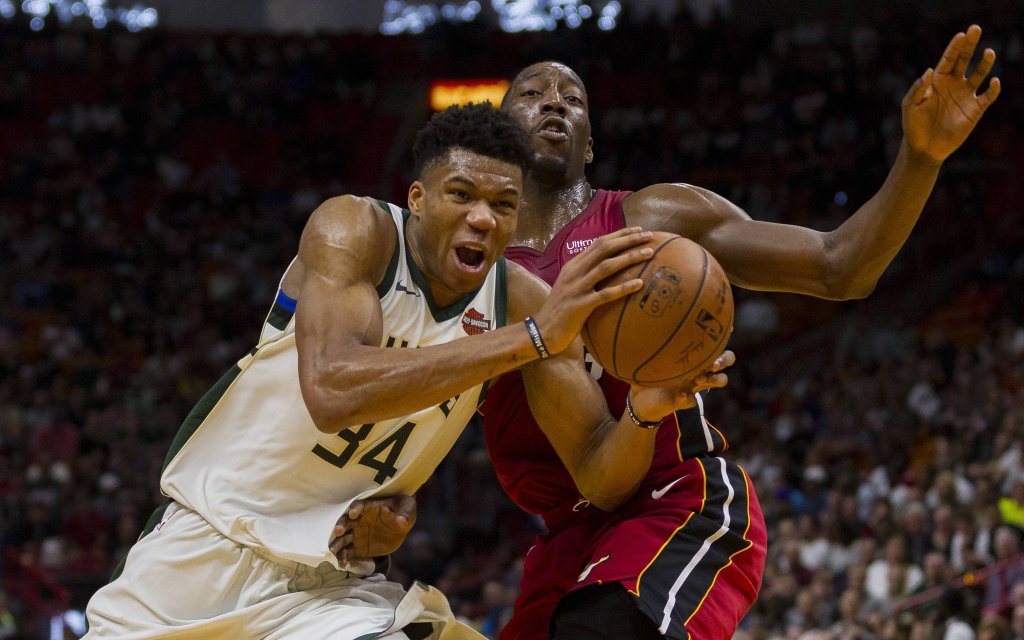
(574,99)
(459,194)
(530,93)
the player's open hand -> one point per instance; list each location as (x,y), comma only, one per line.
(943,105)
(583,285)
(373,527)
(653,403)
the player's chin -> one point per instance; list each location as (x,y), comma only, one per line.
(549,161)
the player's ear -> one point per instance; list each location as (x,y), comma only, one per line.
(588,157)
(416,195)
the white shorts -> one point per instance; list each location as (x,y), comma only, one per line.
(186,580)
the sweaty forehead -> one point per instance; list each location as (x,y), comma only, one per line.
(549,70)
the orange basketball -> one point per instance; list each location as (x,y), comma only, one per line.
(674,327)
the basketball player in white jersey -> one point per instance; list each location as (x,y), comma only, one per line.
(386,329)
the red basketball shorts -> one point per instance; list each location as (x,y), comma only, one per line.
(690,548)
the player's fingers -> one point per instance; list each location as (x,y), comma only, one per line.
(917,91)
(605,295)
(724,361)
(966,52)
(715,381)
(341,542)
(341,527)
(981,70)
(952,53)
(610,266)
(405,507)
(986,99)
(613,243)
(356,509)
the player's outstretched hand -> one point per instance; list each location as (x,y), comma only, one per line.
(373,527)
(653,403)
(943,105)
(581,287)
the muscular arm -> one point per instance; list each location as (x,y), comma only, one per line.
(939,111)
(345,376)
(838,265)
(606,457)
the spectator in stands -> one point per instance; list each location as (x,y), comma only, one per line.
(994,628)
(955,626)
(891,576)
(1017,622)
(1010,572)
(1011,507)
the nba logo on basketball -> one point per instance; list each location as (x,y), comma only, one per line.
(710,325)
(474,322)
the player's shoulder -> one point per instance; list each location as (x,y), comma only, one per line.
(665,206)
(351,215)
(359,226)
(526,292)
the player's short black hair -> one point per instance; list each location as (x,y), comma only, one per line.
(477,127)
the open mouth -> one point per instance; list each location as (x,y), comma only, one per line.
(553,129)
(470,257)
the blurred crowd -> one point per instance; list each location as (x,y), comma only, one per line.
(153,186)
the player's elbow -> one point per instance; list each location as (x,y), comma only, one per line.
(609,492)
(330,412)
(848,286)
(328,421)
(844,277)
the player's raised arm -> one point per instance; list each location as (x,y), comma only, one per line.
(940,110)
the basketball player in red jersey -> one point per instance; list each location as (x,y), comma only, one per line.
(683,558)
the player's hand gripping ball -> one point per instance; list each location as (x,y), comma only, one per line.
(674,327)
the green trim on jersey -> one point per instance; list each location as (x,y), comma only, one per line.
(389,275)
(154,519)
(440,314)
(501,294)
(500,310)
(199,413)
(279,317)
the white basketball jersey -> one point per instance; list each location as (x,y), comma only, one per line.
(249,459)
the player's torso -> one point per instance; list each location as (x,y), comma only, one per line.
(526,463)
(260,471)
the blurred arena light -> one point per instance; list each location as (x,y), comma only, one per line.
(405,17)
(445,93)
(134,18)
(513,16)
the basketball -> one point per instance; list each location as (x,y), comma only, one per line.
(674,327)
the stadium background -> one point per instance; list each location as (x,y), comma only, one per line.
(153,185)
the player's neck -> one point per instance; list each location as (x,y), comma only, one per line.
(547,207)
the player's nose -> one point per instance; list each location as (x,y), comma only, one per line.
(481,217)
(554,102)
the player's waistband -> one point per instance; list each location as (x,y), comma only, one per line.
(356,568)
(666,487)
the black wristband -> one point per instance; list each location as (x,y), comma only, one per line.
(643,424)
(538,342)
